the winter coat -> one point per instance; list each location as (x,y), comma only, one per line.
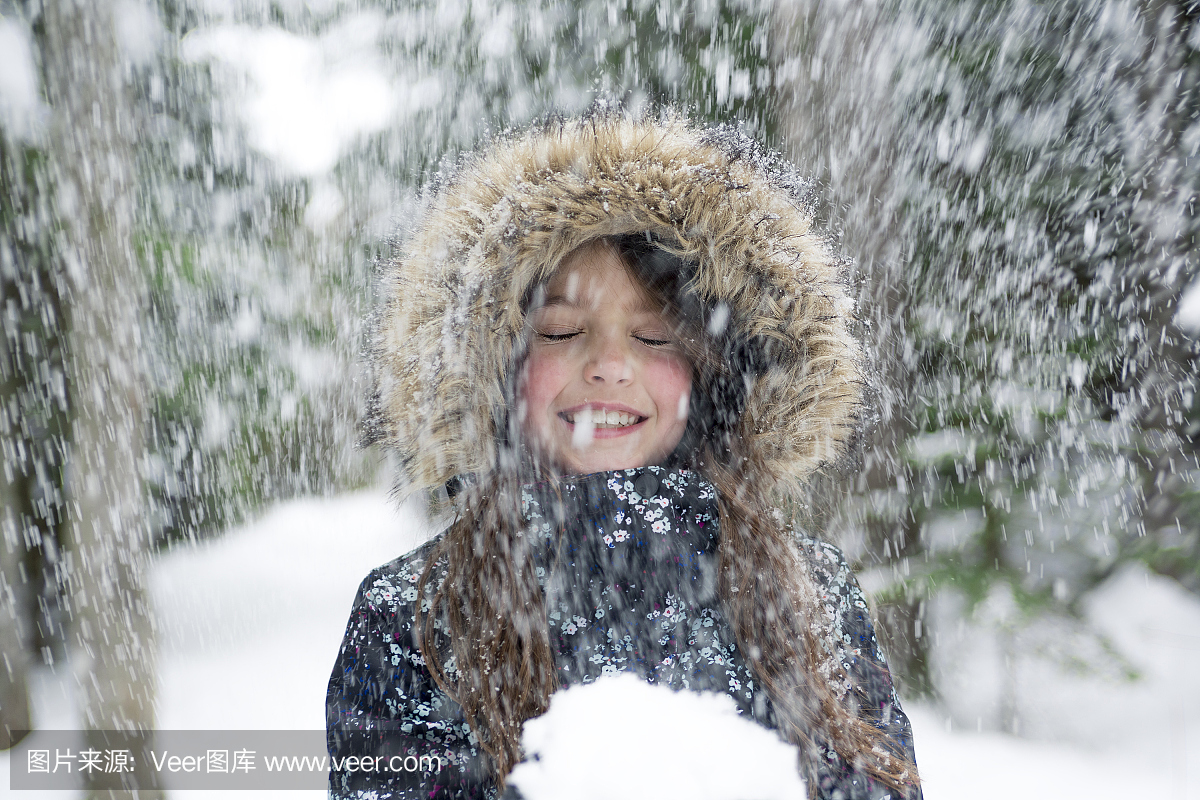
(630,581)
(452,317)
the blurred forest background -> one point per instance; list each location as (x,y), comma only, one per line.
(194,195)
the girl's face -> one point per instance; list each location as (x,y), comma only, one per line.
(605,385)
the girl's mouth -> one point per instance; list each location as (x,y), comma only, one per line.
(600,419)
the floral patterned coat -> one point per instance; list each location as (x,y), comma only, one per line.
(630,582)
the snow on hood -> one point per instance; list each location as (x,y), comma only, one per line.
(451,302)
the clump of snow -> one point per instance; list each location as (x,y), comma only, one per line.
(139,30)
(1187,315)
(20,105)
(928,448)
(622,737)
(307,98)
(324,206)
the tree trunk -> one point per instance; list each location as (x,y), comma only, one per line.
(92,134)
(14,696)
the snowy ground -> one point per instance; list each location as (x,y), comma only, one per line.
(250,625)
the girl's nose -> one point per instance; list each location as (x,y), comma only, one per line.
(609,362)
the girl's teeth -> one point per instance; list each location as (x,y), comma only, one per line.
(605,419)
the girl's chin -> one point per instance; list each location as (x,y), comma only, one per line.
(629,448)
(596,460)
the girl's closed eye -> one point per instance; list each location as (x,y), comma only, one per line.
(557,336)
(656,340)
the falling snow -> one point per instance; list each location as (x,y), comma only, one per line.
(192,220)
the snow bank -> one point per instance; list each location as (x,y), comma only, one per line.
(622,737)
(249,624)
(966,765)
(1122,679)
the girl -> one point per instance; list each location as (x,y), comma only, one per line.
(619,345)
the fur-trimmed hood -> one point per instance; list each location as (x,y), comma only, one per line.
(451,314)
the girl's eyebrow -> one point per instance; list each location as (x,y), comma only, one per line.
(559,300)
(563,300)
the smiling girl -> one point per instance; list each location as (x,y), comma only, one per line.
(605,384)
(620,347)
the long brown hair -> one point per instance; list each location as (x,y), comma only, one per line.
(490,647)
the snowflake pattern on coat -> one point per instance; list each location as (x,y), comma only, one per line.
(627,562)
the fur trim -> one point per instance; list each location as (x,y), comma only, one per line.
(451,302)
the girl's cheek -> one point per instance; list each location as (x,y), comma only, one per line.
(536,389)
(673,372)
(523,399)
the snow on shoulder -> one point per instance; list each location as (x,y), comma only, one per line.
(622,737)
